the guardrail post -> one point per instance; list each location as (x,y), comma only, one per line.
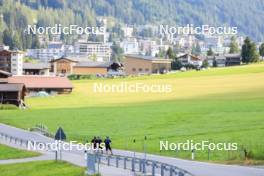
(153,168)
(108,160)
(181,173)
(125,166)
(144,166)
(117,162)
(171,171)
(140,165)
(162,170)
(133,165)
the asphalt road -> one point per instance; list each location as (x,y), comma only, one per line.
(194,167)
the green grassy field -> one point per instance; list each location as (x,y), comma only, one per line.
(220,105)
(12,153)
(41,168)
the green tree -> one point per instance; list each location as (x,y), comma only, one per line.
(16,41)
(169,53)
(117,52)
(261,50)
(196,49)
(249,52)
(210,52)
(233,46)
(205,64)
(35,42)
(7,37)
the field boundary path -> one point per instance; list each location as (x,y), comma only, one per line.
(77,158)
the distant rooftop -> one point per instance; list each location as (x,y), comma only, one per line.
(93,64)
(151,58)
(55,45)
(35,66)
(11,87)
(5,73)
(31,81)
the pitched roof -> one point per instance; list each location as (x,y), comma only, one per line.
(191,55)
(221,57)
(5,73)
(56,45)
(93,64)
(11,87)
(150,58)
(235,55)
(35,66)
(74,58)
(32,81)
(63,58)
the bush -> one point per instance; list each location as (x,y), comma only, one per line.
(176,65)
(7,106)
(80,77)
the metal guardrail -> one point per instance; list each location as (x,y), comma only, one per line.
(137,165)
(14,139)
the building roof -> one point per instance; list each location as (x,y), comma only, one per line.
(150,58)
(2,72)
(235,55)
(11,51)
(63,58)
(221,57)
(57,45)
(93,64)
(193,57)
(11,87)
(35,66)
(32,81)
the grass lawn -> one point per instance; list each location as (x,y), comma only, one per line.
(7,152)
(220,105)
(41,168)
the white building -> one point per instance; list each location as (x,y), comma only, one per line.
(187,59)
(11,61)
(100,51)
(54,50)
(4,47)
(130,46)
(17,63)
(128,31)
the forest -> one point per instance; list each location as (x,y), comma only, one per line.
(15,15)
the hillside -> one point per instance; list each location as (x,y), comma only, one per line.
(246,15)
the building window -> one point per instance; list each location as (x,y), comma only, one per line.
(140,69)
(133,69)
(147,70)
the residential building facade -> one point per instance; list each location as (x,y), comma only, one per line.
(11,61)
(140,65)
(95,50)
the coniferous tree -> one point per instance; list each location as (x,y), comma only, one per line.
(210,52)
(249,52)
(169,53)
(233,46)
(7,37)
(261,50)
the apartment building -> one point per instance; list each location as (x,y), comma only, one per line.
(11,61)
(98,51)
(53,51)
